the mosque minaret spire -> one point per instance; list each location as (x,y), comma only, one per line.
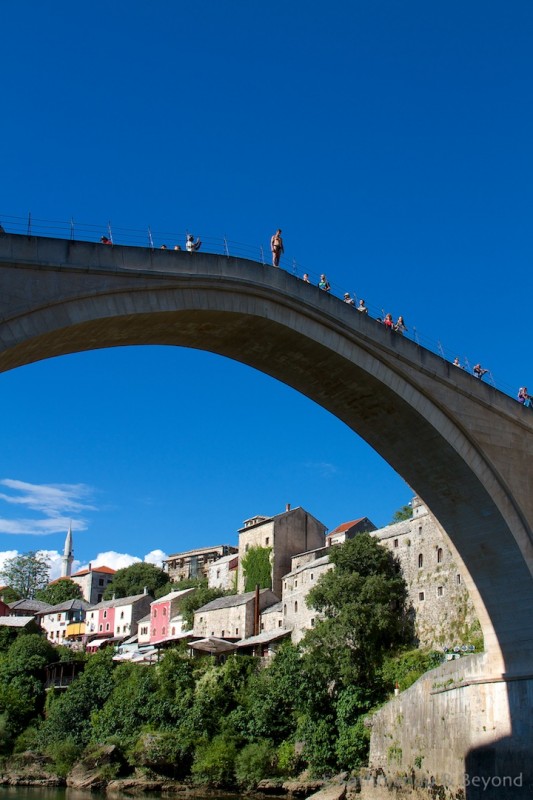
(68,555)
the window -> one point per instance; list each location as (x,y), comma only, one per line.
(440,591)
(284,609)
(201,619)
(173,630)
(312,622)
(164,612)
(312,576)
(296,583)
(396,543)
(246,548)
(420,529)
(420,561)
(163,631)
(458,578)
(155,612)
(153,631)
(296,605)
(236,631)
(420,595)
(121,615)
(218,573)
(439,555)
(105,613)
(262,626)
(100,627)
(267,541)
(280,623)
(99,598)
(107,626)
(100,582)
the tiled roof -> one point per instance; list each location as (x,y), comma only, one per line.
(344,526)
(120,601)
(67,605)
(318,562)
(105,570)
(172,596)
(30,605)
(15,622)
(231,601)
(264,637)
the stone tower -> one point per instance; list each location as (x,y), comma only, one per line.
(68,555)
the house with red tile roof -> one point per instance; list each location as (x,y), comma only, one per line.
(93,582)
(347,530)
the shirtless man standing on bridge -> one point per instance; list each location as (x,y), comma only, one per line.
(276,245)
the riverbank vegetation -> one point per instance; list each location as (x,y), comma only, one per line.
(230,723)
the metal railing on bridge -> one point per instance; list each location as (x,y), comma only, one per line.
(219,245)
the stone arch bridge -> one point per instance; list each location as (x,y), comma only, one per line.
(463,446)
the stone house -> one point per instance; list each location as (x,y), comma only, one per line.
(347,530)
(293,531)
(307,569)
(442,606)
(93,582)
(441,602)
(232,617)
(195,563)
(222,574)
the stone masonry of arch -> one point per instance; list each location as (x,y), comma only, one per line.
(464,447)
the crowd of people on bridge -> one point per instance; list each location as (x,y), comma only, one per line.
(277,249)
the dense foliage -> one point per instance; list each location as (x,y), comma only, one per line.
(231,723)
(59,592)
(134,579)
(26,573)
(401,514)
(257,568)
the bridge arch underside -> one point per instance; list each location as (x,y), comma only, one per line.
(354,372)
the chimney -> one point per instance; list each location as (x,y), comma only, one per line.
(256,610)
(288,507)
(145,590)
(90,566)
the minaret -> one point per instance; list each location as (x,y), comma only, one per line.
(68,555)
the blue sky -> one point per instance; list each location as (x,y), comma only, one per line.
(392,144)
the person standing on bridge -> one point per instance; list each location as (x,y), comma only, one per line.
(191,245)
(479,371)
(523,397)
(323,284)
(276,245)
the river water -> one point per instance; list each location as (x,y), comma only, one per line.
(40,793)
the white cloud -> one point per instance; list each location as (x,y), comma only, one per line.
(56,506)
(112,559)
(156,557)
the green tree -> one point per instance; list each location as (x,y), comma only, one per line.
(26,573)
(9,595)
(68,715)
(364,602)
(134,579)
(22,676)
(257,568)
(59,592)
(401,514)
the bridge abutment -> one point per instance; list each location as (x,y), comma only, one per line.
(459,730)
